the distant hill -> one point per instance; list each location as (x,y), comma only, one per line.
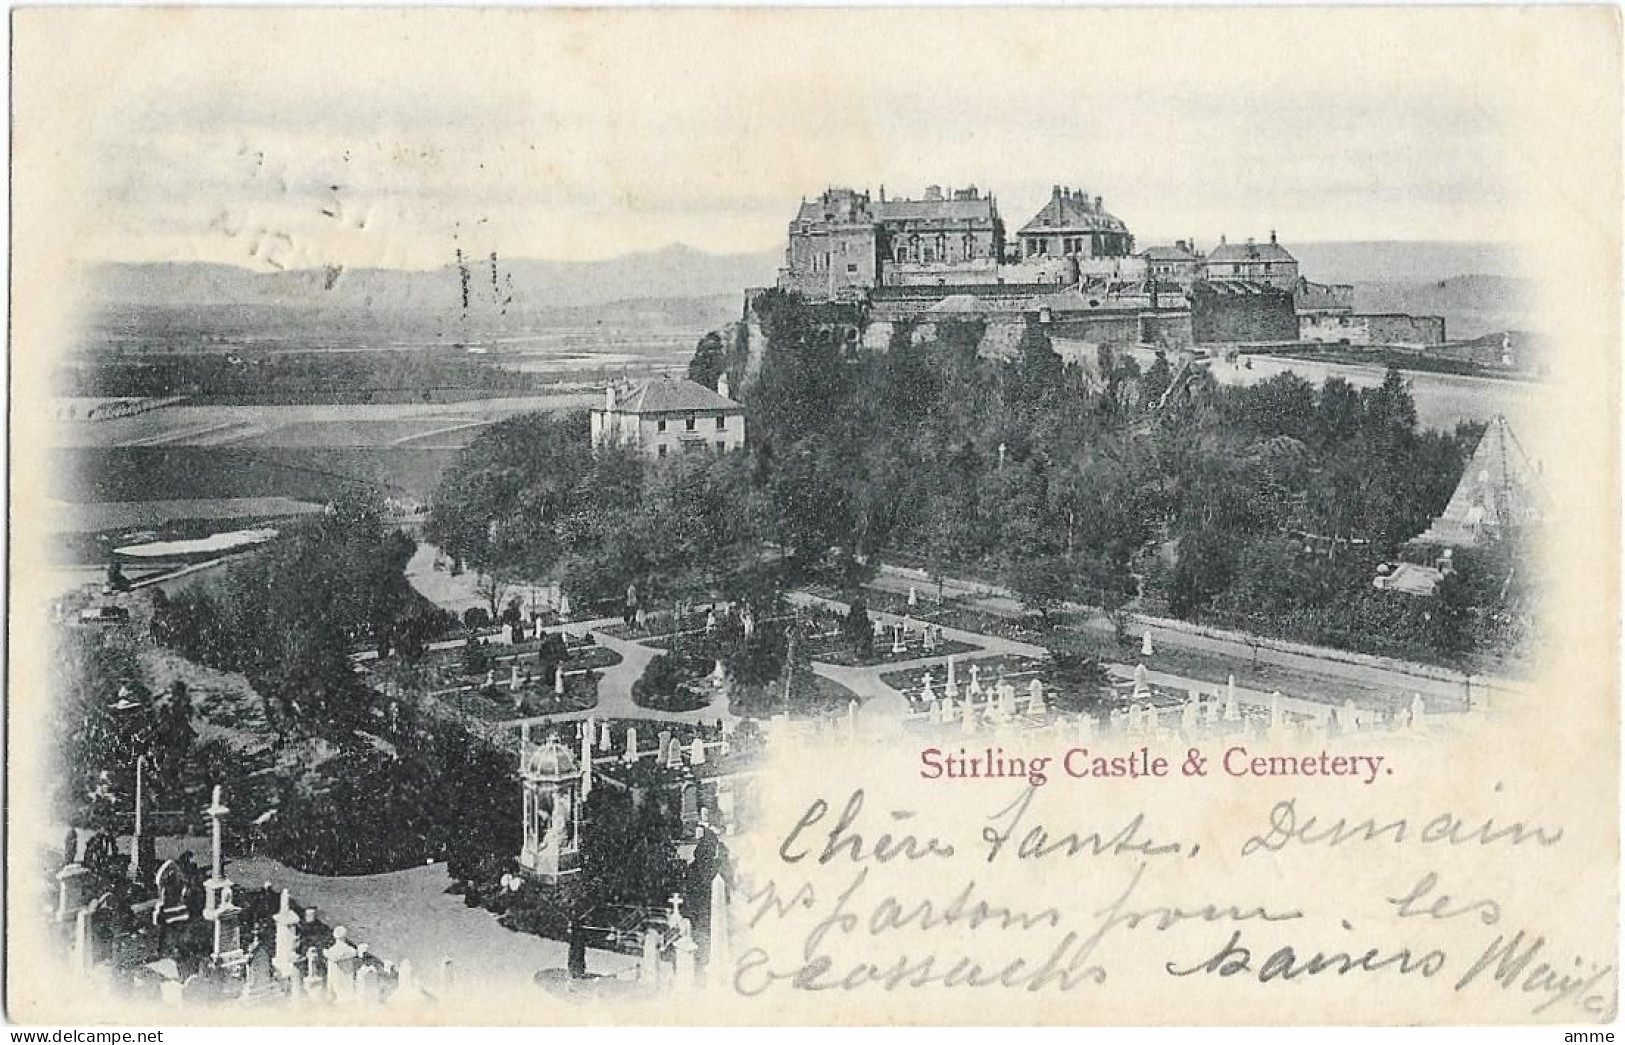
(1393,261)
(524,285)
(1471,305)
(1473,285)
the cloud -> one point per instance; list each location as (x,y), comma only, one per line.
(569,135)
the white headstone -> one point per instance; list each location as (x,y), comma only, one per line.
(720,968)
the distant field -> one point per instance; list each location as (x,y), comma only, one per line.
(166,473)
(97,517)
(445,424)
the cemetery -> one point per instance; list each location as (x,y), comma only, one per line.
(186,936)
(854,639)
(963,702)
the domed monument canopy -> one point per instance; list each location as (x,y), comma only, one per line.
(549,760)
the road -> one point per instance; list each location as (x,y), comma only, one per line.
(1442,400)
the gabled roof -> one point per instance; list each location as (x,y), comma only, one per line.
(980,209)
(664,395)
(1233,252)
(1069,211)
(1168,254)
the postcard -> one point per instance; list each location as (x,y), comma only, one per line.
(817,517)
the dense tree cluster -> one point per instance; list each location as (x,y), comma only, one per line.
(1091,480)
(531,501)
(289,617)
(104,719)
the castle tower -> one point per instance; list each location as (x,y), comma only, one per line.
(551,782)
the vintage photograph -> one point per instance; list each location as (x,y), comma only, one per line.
(504,501)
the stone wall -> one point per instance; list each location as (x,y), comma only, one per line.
(1221,316)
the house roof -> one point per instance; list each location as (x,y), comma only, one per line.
(680,395)
(1232,252)
(980,209)
(1168,254)
(1069,211)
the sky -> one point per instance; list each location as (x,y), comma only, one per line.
(287,140)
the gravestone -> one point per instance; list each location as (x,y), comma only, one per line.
(286,920)
(366,985)
(649,961)
(315,988)
(257,979)
(85,940)
(342,958)
(72,887)
(407,989)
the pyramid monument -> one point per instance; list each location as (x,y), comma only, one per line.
(1498,488)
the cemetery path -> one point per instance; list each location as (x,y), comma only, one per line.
(439,586)
(879,701)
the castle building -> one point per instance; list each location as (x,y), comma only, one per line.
(669,415)
(845,242)
(1074,226)
(1266,263)
(1179,264)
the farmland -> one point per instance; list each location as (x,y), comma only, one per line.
(305,453)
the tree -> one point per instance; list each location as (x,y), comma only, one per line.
(1158,376)
(1205,567)
(708,362)
(628,854)
(858,629)
(1042,584)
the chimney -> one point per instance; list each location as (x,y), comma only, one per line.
(1221,239)
(1098,202)
(882,193)
(1055,192)
(1272,235)
(722,385)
